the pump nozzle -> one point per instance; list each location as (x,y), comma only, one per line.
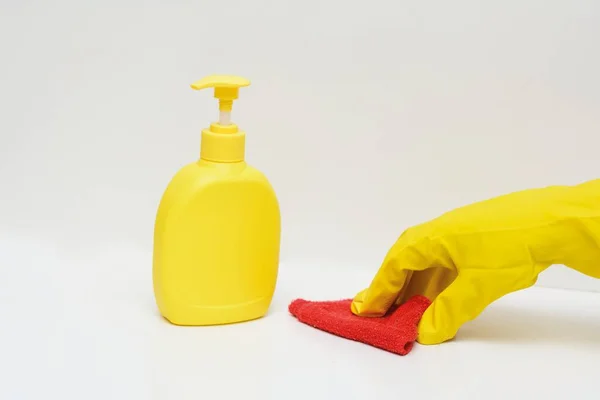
(226,90)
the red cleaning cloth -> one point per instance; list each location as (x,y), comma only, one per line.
(395,332)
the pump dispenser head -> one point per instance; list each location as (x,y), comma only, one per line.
(226,90)
(222,142)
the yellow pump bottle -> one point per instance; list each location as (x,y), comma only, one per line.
(217,230)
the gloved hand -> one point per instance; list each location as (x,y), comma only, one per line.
(469,257)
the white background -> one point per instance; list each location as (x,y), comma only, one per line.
(367,117)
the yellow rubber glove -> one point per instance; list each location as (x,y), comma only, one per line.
(469,257)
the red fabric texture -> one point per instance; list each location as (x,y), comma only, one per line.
(395,332)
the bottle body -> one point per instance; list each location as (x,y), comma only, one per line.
(216,245)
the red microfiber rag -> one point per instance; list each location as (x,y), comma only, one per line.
(395,332)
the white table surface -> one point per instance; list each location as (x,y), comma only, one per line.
(82,324)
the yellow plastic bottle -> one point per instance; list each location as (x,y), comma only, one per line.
(217,231)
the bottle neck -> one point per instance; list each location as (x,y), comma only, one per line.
(223,144)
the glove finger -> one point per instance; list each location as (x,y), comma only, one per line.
(465,298)
(380,295)
(429,283)
(391,278)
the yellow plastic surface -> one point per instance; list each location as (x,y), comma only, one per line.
(216,250)
(217,232)
(226,81)
(469,257)
(226,88)
(223,147)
